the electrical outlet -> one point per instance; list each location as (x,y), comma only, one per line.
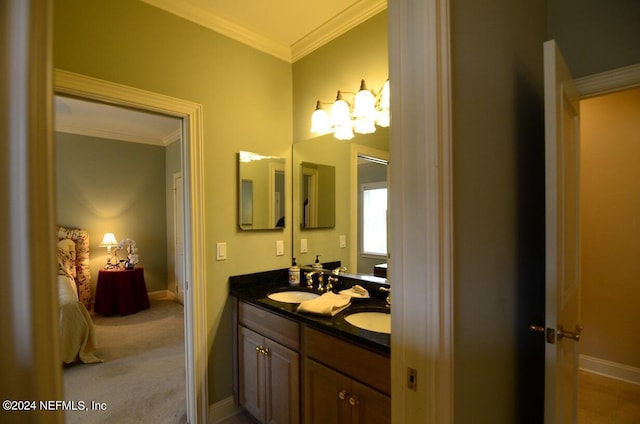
(279,247)
(343,241)
(412,379)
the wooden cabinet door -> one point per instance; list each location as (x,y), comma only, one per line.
(326,395)
(251,372)
(282,384)
(371,406)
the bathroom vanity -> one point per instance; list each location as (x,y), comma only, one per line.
(294,367)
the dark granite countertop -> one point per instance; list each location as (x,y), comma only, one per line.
(254,288)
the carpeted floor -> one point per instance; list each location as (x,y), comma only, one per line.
(142,378)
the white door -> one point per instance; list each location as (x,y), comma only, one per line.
(562,315)
(178,214)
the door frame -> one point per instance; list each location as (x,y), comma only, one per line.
(354,192)
(178,202)
(421,232)
(69,83)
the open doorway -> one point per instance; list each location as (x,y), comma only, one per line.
(610,369)
(71,84)
(117,171)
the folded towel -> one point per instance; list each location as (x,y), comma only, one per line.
(356,291)
(328,304)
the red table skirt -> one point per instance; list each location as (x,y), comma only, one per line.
(121,292)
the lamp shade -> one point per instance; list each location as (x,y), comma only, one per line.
(320,122)
(109,240)
(340,114)
(364,105)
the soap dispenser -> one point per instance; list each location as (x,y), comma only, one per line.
(317,266)
(294,274)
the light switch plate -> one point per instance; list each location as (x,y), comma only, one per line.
(303,246)
(221,251)
(279,247)
(343,240)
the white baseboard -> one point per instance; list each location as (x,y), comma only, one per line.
(162,295)
(222,410)
(610,369)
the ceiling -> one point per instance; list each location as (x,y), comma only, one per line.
(286,29)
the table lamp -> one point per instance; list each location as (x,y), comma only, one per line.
(109,241)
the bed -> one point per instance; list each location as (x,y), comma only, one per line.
(77,335)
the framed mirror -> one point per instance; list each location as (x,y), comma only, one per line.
(261,191)
(318,195)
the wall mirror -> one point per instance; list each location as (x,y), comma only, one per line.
(261,191)
(318,195)
(358,164)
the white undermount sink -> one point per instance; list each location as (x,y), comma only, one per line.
(380,322)
(292,296)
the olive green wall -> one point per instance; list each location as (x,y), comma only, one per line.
(114,186)
(498,204)
(246,99)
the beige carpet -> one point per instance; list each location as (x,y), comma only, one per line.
(142,379)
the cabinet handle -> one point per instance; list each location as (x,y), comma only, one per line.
(259,349)
(342,394)
(266,351)
(353,400)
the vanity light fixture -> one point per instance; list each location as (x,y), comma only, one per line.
(368,111)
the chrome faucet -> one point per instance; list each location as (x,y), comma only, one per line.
(310,279)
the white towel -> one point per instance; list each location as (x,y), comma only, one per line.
(327,304)
(355,291)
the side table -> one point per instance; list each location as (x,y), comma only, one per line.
(121,292)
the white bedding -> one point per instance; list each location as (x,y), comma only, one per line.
(77,336)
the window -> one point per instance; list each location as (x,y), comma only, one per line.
(374,218)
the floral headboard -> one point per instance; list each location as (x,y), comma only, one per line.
(82,275)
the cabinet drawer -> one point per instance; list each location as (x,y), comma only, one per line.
(275,327)
(361,364)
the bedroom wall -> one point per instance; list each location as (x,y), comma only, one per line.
(246,100)
(113,186)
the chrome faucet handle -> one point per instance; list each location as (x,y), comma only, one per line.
(321,287)
(388,291)
(338,270)
(310,278)
(330,281)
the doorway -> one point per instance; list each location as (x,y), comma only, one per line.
(123,162)
(609,205)
(67,83)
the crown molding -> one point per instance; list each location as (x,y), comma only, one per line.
(350,18)
(332,29)
(194,13)
(119,136)
(609,81)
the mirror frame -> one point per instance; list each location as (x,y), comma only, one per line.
(267,191)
